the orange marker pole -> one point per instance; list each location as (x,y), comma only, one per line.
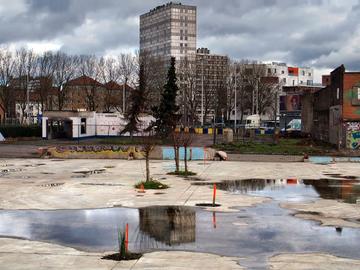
(214,220)
(142,189)
(214,194)
(127,237)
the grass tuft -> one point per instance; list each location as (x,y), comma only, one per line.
(152,184)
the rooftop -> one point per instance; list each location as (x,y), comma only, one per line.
(167,5)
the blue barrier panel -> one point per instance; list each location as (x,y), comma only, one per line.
(205,131)
(321,160)
(269,131)
(355,159)
(193,153)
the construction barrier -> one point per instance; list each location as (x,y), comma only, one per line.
(262,131)
(219,131)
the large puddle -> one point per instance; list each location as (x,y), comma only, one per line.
(253,234)
(347,191)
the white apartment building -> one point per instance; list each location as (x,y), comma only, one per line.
(169,31)
(290,76)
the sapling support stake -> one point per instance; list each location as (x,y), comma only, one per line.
(214,195)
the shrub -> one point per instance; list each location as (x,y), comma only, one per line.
(21,131)
(152,184)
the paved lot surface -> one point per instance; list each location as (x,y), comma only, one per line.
(78,184)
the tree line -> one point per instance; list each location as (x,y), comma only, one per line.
(253,95)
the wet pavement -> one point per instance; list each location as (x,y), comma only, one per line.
(253,234)
(294,190)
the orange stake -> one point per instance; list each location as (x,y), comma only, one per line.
(214,194)
(142,189)
(214,220)
(126,236)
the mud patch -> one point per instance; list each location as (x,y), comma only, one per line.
(128,257)
(102,184)
(52,185)
(80,176)
(87,171)
(208,205)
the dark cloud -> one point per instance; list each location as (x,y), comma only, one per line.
(319,33)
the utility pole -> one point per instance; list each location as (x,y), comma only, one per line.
(124,95)
(202,91)
(257,95)
(27,100)
(214,131)
(253,101)
(235,101)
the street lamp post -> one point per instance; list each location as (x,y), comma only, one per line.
(235,101)
(202,91)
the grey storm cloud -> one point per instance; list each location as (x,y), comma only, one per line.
(319,33)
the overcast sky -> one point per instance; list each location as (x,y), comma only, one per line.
(319,33)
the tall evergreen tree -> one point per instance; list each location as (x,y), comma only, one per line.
(166,113)
(137,101)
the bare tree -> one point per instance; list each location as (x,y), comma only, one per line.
(127,70)
(89,68)
(187,85)
(45,67)
(255,89)
(268,89)
(155,71)
(148,143)
(187,141)
(65,67)
(239,83)
(177,142)
(24,70)
(7,66)
(109,75)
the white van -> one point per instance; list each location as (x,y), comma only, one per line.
(252,121)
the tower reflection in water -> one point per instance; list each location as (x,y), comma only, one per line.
(169,225)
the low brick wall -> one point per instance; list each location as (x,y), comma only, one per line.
(121,152)
(96,152)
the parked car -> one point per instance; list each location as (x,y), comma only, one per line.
(293,128)
(252,121)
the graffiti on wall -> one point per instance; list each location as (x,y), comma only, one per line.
(96,151)
(353,135)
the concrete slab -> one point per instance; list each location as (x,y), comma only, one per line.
(23,254)
(328,212)
(54,184)
(312,261)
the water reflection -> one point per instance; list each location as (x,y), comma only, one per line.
(172,225)
(347,191)
(270,230)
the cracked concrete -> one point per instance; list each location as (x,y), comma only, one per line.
(312,261)
(327,212)
(52,184)
(22,254)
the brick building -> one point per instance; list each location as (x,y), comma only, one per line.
(336,110)
(211,84)
(87,94)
